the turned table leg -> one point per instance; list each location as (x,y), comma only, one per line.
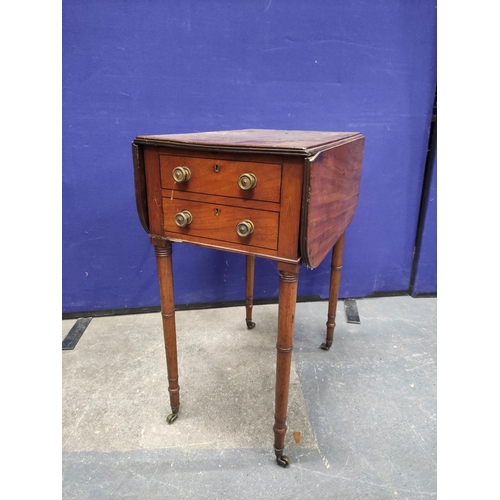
(163,250)
(250,272)
(337,253)
(289,275)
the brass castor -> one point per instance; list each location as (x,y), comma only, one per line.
(250,324)
(172,418)
(325,346)
(283,461)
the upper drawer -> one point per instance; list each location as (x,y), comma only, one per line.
(220,177)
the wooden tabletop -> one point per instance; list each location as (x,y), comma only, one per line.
(292,142)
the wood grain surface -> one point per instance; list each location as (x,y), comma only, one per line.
(218,222)
(292,142)
(223,181)
(140,186)
(330,198)
(306,194)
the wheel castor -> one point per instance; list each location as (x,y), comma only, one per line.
(250,324)
(283,461)
(325,346)
(172,418)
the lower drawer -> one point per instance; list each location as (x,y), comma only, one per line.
(219,222)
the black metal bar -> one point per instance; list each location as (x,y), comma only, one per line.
(392,293)
(425,295)
(182,307)
(431,153)
(351,311)
(75,333)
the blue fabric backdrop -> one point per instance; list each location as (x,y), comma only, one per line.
(156,66)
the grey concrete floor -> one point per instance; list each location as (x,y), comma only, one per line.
(365,410)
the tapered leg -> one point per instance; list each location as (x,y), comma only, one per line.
(250,272)
(163,250)
(289,275)
(337,254)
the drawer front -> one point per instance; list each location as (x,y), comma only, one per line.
(220,177)
(218,222)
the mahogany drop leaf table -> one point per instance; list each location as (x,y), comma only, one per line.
(284,195)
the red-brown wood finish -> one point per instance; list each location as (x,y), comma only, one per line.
(163,252)
(290,142)
(305,197)
(140,186)
(291,196)
(289,276)
(250,274)
(218,221)
(220,177)
(333,180)
(336,268)
(153,187)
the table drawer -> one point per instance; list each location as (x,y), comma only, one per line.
(220,177)
(219,222)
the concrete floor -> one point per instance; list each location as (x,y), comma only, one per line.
(365,410)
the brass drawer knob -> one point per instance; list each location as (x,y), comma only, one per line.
(183,219)
(245,228)
(181,174)
(247,181)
